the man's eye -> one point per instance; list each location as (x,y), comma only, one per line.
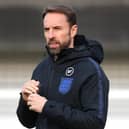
(46,29)
(57,28)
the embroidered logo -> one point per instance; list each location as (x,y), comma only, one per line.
(69,71)
(65,85)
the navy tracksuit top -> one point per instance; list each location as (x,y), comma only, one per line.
(76,88)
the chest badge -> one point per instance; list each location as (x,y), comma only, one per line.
(69,71)
(65,85)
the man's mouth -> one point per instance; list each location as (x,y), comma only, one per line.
(53,45)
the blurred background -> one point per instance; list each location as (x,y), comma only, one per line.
(22,47)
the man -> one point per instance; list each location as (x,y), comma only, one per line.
(69,89)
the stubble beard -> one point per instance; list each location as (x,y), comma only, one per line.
(56,51)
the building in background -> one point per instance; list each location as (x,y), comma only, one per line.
(103,20)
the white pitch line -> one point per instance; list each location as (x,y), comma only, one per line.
(9,93)
(119,94)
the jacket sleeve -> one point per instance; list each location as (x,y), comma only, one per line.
(25,116)
(93,112)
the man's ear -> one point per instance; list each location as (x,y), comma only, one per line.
(74,30)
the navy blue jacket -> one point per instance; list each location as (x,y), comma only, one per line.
(76,88)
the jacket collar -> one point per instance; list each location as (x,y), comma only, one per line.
(82,48)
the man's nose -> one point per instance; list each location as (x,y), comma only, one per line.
(50,34)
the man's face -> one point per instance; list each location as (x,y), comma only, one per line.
(58,32)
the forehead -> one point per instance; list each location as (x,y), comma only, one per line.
(55,19)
